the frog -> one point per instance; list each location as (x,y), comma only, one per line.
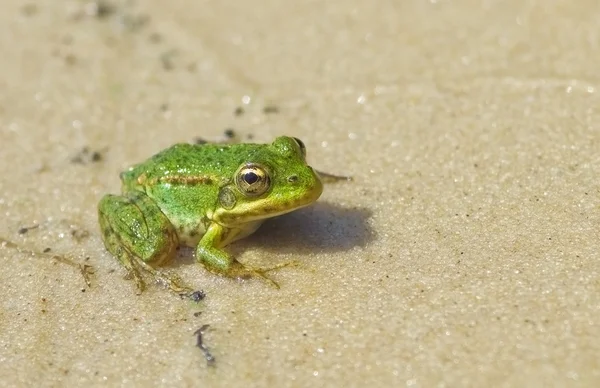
(204,196)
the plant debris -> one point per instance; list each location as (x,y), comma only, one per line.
(86,270)
(229,133)
(197,296)
(100,9)
(210,359)
(80,234)
(166,59)
(238,111)
(87,156)
(26,229)
(270,109)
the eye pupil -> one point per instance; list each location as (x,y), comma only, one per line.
(250,178)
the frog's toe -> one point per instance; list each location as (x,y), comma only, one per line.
(261,272)
(132,273)
(174,283)
(171,281)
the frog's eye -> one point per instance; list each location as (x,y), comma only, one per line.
(301,145)
(252,180)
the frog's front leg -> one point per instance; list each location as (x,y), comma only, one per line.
(217,261)
(140,236)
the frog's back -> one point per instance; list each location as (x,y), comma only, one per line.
(214,161)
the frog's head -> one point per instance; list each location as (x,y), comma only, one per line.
(274,180)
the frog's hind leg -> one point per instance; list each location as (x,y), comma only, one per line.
(140,236)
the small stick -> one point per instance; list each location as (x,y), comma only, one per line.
(210,359)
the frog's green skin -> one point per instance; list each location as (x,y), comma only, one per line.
(204,196)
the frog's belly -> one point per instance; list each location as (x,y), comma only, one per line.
(190,233)
(243,230)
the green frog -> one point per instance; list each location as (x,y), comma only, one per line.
(204,196)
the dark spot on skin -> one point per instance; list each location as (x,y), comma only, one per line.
(193,233)
(293,178)
(46,250)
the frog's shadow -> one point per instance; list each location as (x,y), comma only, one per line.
(322,227)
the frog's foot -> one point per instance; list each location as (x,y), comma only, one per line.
(262,271)
(171,281)
(221,263)
(135,267)
(134,274)
(237,270)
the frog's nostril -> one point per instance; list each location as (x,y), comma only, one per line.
(293,178)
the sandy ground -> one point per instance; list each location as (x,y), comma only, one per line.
(464,254)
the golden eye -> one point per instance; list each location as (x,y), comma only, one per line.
(252,180)
(301,145)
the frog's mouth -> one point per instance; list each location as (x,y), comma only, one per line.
(267,207)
